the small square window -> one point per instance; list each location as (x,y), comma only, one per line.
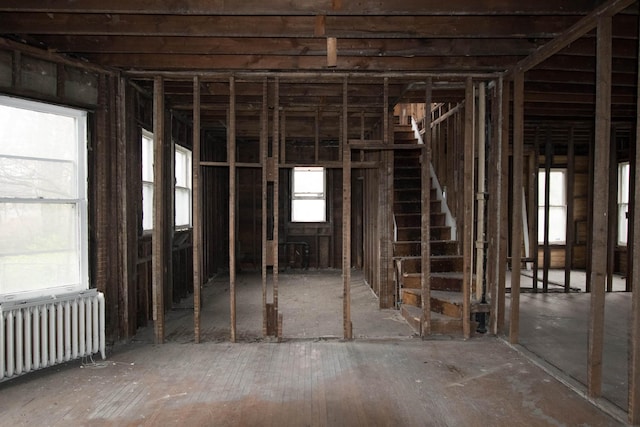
(308,200)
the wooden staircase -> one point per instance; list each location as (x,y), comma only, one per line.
(446,262)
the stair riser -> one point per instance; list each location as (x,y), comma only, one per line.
(447,308)
(414,248)
(409,207)
(437,283)
(451,284)
(404,191)
(438,265)
(437,220)
(444,247)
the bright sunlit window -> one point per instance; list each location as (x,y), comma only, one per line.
(182,187)
(557,206)
(308,201)
(623,202)
(147,180)
(43,200)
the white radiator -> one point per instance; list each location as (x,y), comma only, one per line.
(38,334)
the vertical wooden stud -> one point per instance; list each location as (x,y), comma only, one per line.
(425,245)
(158,259)
(231,154)
(600,206)
(346,216)
(571,176)
(633,246)
(264,161)
(516,213)
(495,199)
(467,212)
(276,193)
(197,211)
(548,159)
(503,205)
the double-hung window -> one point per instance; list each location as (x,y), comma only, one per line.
(308,200)
(182,187)
(43,200)
(147,180)
(557,206)
(623,202)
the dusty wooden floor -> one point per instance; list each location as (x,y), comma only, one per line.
(481,382)
(386,377)
(554,327)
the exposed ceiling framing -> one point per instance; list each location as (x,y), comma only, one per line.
(405,41)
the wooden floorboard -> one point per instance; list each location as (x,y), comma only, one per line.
(380,380)
(334,383)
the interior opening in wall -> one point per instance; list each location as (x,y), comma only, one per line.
(147,180)
(557,206)
(308,195)
(43,200)
(623,202)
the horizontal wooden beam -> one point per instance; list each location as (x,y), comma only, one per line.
(276,62)
(288,7)
(283,46)
(369,27)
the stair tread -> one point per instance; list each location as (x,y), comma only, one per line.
(437,257)
(447,274)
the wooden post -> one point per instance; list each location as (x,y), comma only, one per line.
(197,211)
(231,158)
(570,238)
(467,232)
(495,201)
(633,245)
(504,211)
(612,230)
(480,243)
(275,144)
(346,216)
(600,206)
(127,232)
(264,161)
(516,227)
(535,220)
(548,158)
(425,250)
(158,258)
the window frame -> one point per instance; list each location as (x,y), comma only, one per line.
(78,200)
(147,181)
(188,188)
(622,204)
(308,196)
(552,207)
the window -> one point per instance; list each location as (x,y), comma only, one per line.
(147,180)
(623,202)
(557,206)
(43,200)
(308,195)
(182,187)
